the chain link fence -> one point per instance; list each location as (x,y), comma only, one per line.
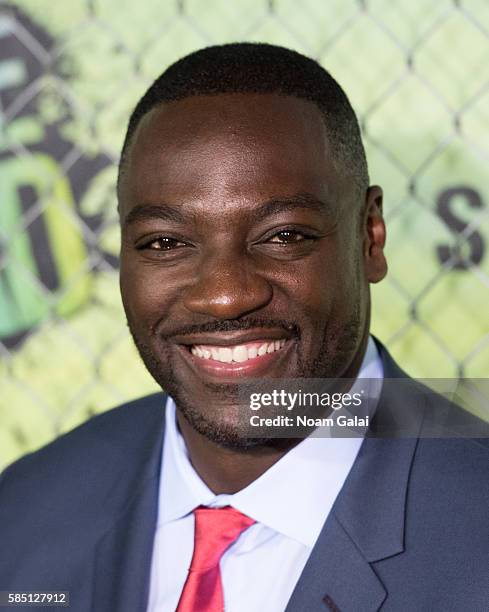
(416,71)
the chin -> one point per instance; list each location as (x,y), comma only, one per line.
(221,432)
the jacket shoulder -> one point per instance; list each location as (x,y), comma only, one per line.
(86,456)
(56,503)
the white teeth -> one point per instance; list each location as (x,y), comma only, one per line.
(252,352)
(262,350)
(240,354)
(225,355)
(237,354)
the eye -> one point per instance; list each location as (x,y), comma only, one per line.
(163,243)
(289,237)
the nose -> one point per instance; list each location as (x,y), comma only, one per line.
(227,287)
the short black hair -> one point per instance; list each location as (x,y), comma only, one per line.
(262,68)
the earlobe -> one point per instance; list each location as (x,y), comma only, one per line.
(375,261)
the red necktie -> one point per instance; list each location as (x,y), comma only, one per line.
(215,530)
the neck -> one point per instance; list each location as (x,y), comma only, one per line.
(226,470)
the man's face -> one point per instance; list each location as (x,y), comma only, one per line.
(245,252)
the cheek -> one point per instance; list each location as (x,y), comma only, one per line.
(306,295)
(143,296)
(152,295)
(320,282)
(325,291)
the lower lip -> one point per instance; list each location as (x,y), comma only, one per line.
(257,366)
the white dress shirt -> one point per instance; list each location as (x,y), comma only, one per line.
(289,502)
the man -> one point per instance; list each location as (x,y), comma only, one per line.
(250,236)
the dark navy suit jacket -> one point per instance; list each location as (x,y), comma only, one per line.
(409,530)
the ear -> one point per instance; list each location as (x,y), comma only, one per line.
(374,236)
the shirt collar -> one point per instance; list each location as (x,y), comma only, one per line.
(292,497)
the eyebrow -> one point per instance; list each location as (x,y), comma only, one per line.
(299,201)
(273,206)
(147,212)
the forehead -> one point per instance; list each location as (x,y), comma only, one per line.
(231,144)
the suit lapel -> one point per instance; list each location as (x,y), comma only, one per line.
(336,576)
(366,523)
(123,554)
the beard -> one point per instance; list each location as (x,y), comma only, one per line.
(338,347)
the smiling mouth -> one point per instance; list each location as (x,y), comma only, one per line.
(239,353)
(225,358)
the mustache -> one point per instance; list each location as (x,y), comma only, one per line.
(232,326)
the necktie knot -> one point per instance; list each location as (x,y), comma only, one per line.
(216,529)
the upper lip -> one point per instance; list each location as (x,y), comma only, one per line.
(233,338)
